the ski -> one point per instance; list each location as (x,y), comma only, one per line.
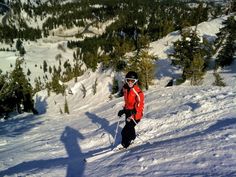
(99,155)
(106,153)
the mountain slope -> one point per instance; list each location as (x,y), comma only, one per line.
(191,130)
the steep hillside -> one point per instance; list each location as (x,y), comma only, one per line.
(186,130)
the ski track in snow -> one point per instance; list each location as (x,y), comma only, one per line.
(188,123)
(192,133)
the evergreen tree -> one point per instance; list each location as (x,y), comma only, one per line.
(147,68)
(28,72)
(60,111)
(18,44)
(142,41)
(55,84)
(20,83)
(197,69)
(45,66)
(78,64)
(84,90)
(228,37)
(115,86)
(190,54)
(50,69)
(218,80)
(94,87)
(38,85)
(143,64)
(22,89)
(22,51)
(7,98)
(66,107)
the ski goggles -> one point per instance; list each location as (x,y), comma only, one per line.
(133,81)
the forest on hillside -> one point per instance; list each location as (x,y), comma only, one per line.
(136,24)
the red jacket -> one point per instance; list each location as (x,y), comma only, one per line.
(134,100)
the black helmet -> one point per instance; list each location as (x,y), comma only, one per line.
(132,75)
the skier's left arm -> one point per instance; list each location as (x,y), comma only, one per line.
(139,106)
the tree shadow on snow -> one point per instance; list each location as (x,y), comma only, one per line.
(74,161)
(23,122)
(19,125)
(40,104)
(167,70)
(229,69)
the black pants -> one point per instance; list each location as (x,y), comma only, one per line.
(128,133)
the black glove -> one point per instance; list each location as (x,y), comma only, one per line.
(130,113)
(121,112)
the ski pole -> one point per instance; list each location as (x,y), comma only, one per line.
(144,142)
(141,139)
(138,135)
(134,121)
(116,131)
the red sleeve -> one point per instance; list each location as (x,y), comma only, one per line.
(139,106)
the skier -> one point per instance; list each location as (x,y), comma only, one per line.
(133,107)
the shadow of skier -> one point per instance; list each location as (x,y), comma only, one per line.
(74,161)
(75,164)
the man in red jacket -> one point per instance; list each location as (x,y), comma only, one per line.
(133,108)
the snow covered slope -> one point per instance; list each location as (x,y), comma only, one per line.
(191,130)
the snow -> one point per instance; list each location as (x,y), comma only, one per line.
(191,130)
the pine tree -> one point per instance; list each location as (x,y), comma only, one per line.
(50,69)
(60,111)
(115,86)
(84,90)
(7,98)
(197,69)
(45,66)
(142,41)
(189,53)
(55,85)
(94,87)
(22,51)
(78,64)
(22,88)
(66,107)
(38,85)
(147,68)
(228,36)
(144,64)
(218,80)
(28,72)
(18,44)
